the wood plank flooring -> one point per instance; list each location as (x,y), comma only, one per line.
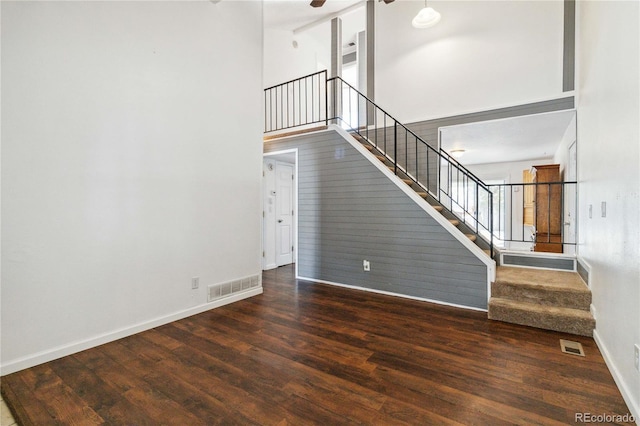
(306,353)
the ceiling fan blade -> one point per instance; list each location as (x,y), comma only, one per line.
(317,3)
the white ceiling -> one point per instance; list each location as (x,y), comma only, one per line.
(292,14)
(514,139)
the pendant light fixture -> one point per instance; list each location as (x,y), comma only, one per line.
(427,17)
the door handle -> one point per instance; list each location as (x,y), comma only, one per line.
(279,220)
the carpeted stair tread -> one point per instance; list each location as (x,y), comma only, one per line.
(454,222)
(567,320)
(438,208)
(368,146)
(552,280)
(548,288)
(471,237)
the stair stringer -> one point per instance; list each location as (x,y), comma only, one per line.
(424,205)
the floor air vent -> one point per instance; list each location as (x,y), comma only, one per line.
(573,348)
(218,291)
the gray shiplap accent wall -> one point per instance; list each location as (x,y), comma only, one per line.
(583,271)
(538,262)
(350,211)
(569,46)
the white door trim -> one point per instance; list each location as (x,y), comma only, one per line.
(274,155)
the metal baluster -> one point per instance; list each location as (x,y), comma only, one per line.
(326,99)
(395,147)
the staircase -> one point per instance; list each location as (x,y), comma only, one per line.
(547,299)
(484,245)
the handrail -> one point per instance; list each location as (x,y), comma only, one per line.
(459,190)
(296,79)
(512,219)
(412,157)
(298,102)
(480,206)
(442,152)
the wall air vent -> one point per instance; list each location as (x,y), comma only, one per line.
(219,291)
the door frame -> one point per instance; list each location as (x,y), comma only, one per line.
(572,208)
(277,156)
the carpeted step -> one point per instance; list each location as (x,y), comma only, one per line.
(543,287)
(472,237)
(566,320)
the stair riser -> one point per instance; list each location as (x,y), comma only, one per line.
(561,323)
(542,296)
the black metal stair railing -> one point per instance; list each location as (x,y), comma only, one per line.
(317,99)
(299,102)
(436,172)
(552,224)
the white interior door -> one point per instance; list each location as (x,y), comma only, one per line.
(284,213)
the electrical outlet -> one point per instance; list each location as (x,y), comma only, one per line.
(590,211)
(636,351)
(195,282)
(366,265)
(603,209)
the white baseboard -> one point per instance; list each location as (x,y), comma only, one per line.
(627,395)
(389,293)
(69,349)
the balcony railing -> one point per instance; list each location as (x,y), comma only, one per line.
(491,212)
(429,169)
(535,213)
(296,103)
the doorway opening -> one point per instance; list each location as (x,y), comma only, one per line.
(279,222)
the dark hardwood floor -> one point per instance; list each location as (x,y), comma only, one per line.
(306,353)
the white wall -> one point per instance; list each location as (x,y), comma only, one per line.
(482,55)
(124,173)
(562,153)
(510,171)
(284,62)
(608,158)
